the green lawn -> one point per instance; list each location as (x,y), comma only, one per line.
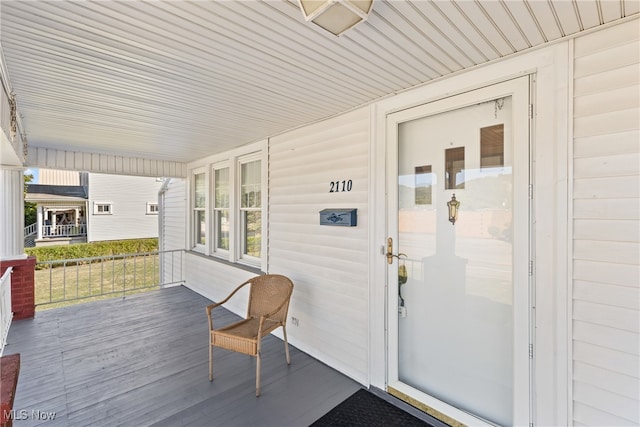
(92,280)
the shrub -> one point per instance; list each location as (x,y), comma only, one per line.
(94,249)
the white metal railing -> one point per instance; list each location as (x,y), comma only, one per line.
(31,229)
(5,307)
(81,278)
(69,230)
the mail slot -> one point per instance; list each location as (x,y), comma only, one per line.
(339,217)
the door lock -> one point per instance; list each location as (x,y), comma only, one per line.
(390,255)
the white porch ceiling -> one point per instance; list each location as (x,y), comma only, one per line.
(180,80)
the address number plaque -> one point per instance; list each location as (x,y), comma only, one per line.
(340,186)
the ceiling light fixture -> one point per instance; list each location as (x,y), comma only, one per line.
(336,16)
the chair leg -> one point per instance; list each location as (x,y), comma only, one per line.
(286,345)
(258,374)
(210,361)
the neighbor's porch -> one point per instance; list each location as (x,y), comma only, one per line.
(143,361)
(53,235)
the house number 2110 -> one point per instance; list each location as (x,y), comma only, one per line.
(340,186)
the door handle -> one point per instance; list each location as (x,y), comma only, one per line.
(390,255)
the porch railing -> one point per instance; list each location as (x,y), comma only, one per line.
(31,229)
(67,280)
(30,235)
(64,230)
(5,307)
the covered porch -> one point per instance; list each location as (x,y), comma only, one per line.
(254,116)
(143,361)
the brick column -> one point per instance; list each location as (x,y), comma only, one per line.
(22,286)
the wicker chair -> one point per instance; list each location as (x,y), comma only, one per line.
(269,297)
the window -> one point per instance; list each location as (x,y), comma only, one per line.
(251,208)
(226,207)
(102,208)
(152,208)
(221,209)
(199,205)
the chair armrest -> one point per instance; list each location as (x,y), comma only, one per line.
(210,307)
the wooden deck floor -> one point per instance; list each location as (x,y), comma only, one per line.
(143,361)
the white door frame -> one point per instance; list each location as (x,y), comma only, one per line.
(518,90)
(551,90)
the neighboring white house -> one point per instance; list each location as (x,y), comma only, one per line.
(122,207)
(87,207)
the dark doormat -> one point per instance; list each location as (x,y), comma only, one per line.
(368,410)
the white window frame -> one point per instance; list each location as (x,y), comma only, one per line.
(195,245)
(150,210)
(215,250)
(233,160)
(98,205)
(238,211)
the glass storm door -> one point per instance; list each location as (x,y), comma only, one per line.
(458,281)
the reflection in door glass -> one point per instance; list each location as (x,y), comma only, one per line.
(454,168)
(423,185)
(492,147)
(455,306)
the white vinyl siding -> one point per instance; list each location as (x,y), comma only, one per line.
(606,210)
(216,280)
(174,230)
(50,158)
(328,264)
(58,177)
(127,197)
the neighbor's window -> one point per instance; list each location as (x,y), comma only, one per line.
(250,208)
(199,203)
(152,208)
(102,208)
(221,221)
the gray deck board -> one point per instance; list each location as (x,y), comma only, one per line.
(142,361)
